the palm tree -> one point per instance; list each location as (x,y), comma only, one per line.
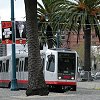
(55,10)
(45,27)
(36,82)
(84,15)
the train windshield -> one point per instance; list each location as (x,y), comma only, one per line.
(66,65)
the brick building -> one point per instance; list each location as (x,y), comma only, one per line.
(72,43)
(79,46)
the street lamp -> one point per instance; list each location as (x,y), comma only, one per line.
(13,80)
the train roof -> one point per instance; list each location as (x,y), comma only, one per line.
(61,49)
(17,55)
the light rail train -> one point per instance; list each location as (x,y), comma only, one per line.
(60,69)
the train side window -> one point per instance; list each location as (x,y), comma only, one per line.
(0,66)
(3,67)
(43,62)
(21,66)
(7,66)
(43,57)
(51,63)
(17,64)
(26,64)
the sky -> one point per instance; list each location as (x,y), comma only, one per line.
(5,10)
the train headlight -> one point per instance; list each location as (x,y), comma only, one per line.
(72,78)
(59,77)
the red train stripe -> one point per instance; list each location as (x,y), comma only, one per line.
(60,83)
(22,81)
(4,81)
(47,82)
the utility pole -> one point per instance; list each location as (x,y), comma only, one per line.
(14,85)
(58,33)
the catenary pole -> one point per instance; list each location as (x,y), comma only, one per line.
(14,85)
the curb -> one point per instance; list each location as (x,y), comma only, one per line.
(89,85)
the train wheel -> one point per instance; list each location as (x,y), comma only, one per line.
(73,88)
(9,85)
(59,89)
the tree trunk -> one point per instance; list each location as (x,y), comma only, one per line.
(36,82)
(87,47)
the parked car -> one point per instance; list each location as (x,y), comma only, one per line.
(97,75)
(82,72)
(93,76)
(86,76)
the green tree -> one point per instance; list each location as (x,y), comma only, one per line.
(36,82)
(84,15)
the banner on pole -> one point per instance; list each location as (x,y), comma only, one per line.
(20,32)
(6,32)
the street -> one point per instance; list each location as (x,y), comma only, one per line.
(80,94)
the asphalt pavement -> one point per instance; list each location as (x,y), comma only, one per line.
(85,91)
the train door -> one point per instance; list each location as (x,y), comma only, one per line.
(2,70)
(4,73)
(26,68)
(22,73)
(43,58)
(50,69)
(20,68)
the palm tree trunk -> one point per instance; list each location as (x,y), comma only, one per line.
(50,42)
(36,82)
(87,47)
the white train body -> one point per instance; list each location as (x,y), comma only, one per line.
(60,69)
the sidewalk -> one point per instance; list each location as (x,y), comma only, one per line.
(89,85)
